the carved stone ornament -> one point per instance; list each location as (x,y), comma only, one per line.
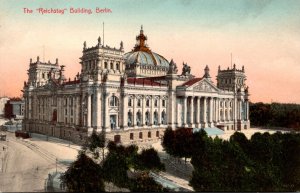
(203,86)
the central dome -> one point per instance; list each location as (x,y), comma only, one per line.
(145,58)
(141,61)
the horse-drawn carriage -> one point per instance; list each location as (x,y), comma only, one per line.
(23,134)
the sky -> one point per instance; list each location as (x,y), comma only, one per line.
(262,35)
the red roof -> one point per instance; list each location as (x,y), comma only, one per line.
(15,99)
(72,82)
(143,81)
(191,82)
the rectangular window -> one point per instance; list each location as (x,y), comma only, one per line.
(149,134)
(131,136)
(66,120)
(157,133)
(71,112)
(141,135)
(66,111)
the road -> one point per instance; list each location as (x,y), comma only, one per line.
(25,164)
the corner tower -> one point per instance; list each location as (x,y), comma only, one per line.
(40,72)
(231,79)
(99,61)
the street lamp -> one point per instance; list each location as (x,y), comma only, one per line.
(69,138)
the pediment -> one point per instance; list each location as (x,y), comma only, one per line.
(203,86)
(113,110)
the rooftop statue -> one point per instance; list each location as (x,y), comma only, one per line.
(186,69)
(172,68)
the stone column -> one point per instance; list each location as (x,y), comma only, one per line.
(217,110)
(134,111)
(152,111)
(172,110)
(98,106)
(125,111)
(106,116)
(211,112)
(192,112)
(29,107)
(205,111)
(143,105)
(223,101)
(184,111)
(247,110)
(178,116)
(159,110)
(198,112)
(88,106)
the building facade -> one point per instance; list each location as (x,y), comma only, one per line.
(14,108)
(132,97)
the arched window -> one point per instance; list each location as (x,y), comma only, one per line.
(155,103)
(147,103)
(138,118)
(147,116)
(155,118)
(130,102)
(164,103)
(226,115)
(129,119)
(139,102)
(118,66)
(111,65)
(221,114)
(163,118)
(113,101)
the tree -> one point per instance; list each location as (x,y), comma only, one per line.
(115,169)
(168,141)
(94,142)
(291,162)
(241,140)
(145,183)
(83,175)
(178,143)
(183,145)
(149,160)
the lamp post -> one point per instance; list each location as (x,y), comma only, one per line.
(69,138)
